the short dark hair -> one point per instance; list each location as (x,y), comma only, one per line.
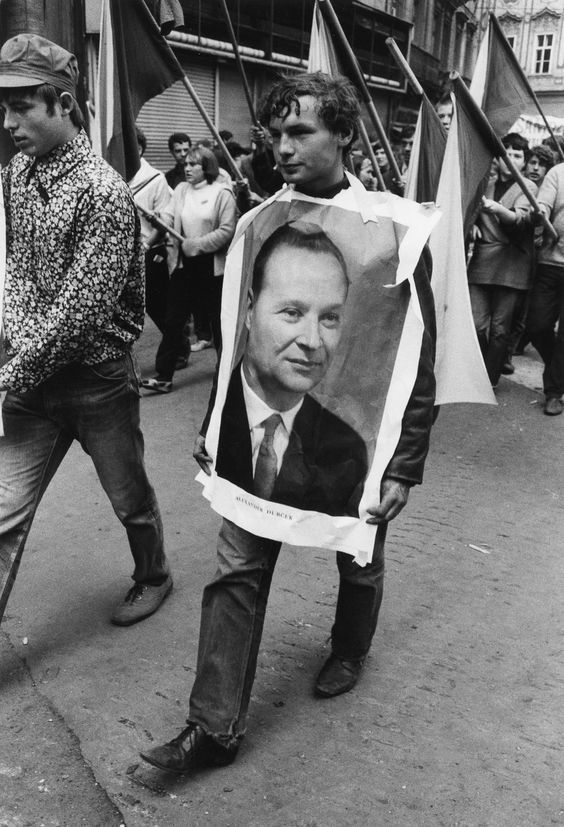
(49,94)
(141,139)
(543,153)
(444,100)
(337,101)
(178,138)
(207,159)
(235,149)
(514,140)
(299,235)
(225,135)
(407,132)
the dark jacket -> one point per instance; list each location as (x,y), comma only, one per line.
(324,466)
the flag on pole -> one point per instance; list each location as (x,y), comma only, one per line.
(135,64)
(499,85)
(459,368)
(426,160)
(476,150)
(322,56)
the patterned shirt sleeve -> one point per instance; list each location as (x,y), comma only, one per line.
(87,296)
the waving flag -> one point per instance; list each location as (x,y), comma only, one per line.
(499,85)
(426,160)
(459,367)
(322,56)
(135,64)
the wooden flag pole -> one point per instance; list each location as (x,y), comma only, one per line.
(462,90)
(240,66)
(334,25)
(237,174)
(404,66)
(154,219)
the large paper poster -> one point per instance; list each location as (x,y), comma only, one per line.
(321,324)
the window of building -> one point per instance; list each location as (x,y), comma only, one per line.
(543,54)
(511,40)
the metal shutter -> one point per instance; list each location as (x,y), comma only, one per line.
(232,103)
(174,111)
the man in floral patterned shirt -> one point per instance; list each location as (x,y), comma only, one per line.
(73,307)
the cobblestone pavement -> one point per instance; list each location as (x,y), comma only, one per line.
(458,717)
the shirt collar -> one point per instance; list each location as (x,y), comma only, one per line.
(61,159)
(258,410)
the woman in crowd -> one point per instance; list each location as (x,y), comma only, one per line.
(202,209)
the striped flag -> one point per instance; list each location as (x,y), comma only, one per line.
(459,367)
(322,56)
(499,85)
(427,154)
(135,64)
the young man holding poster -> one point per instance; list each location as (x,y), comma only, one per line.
(293,324)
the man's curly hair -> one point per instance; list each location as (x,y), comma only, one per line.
(337,101)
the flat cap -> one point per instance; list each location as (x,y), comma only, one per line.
(30,60)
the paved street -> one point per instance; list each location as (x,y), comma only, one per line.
(457,720)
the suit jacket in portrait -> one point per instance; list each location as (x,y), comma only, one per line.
(324,466)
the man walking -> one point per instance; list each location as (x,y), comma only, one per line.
(313,122)
(73,306)
(545,323)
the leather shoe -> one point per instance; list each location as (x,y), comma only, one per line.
(192,748)
(338,676)
(553,406)
(141,601)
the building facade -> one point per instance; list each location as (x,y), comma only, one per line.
(273,36)
(535,30)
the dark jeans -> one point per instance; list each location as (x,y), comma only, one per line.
(233,610)
(546,309)
(493,311)
(98,406)
(181,291)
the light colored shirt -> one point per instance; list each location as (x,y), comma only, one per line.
(151,192)
(257,412)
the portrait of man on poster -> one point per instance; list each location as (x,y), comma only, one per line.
(276,440)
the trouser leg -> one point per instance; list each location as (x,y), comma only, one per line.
(233,610)
(547,307)
(504,301)
(554,374)
(30,452)
(519,324)
(214,309)
(156,289)
(173,343)
(201,271)
(543,311)
(360,596)
(480,301)
(104,409)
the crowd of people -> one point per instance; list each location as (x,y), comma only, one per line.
(503,263)
(79,241)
